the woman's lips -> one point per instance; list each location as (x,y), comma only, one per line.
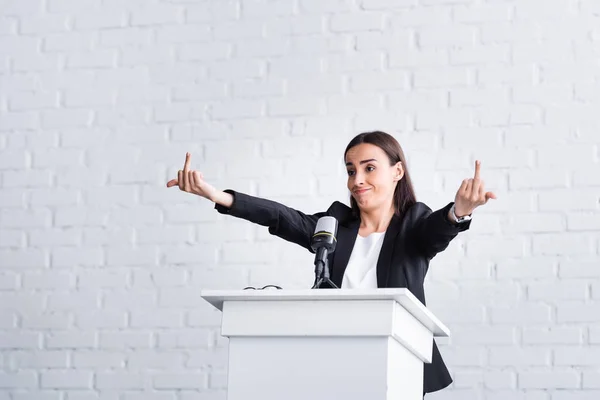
(361,191)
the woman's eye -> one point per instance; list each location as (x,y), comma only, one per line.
(370,168)
(350,173)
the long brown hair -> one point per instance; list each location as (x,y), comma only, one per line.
(404,195)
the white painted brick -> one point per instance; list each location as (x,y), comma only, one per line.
(130,36)
(477,13)
(530,314)
(580,267)
(556,379)
(95,59)
(441,77)
(575,357)
(19,120)
(18,380)
(205,52)
(70,340)
(267,88)
(506,74)
(569,199)
(203,91)
(443,36)
(101,19)
(121,380)
(47,321)
(140,360)
(157,15)
(73,256)
(123,340)
(477,55)
(354,103)
(79,216)
(567,290)
(294,106)
(53,197)
(541,336)
(535,223)
(144,56)
(336,64)
(98,359)
(267,9)
(315,45)
(147,278)
(66,118)
(495,32)
(289,67)
(188,339)
(183,34)
(325,6)
(153,396)
(114,195)
(18,259)
(295,25)
(509,293)
(68,379)
(39,359)
(180,381)
(563,244)
(32,101)
(156,319)
(583,222)
(28,178)
(520,357)
(21,340)
(9,281)
(25,302)
(15,198)
(69,42)
(47,280)
(101,320)
(235,109)
(482,335)
(538,178)
(356,22)
(590,381)
(74,300)
(219,11)
(576,312)
(260,48)
(379,81)
(490,97)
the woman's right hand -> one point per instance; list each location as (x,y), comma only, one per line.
(192,181)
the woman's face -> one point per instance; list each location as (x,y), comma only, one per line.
(371,179)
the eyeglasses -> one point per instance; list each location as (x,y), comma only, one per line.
(268,287)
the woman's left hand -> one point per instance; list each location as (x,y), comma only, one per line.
(471,194)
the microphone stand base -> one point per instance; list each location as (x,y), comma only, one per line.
(324,281)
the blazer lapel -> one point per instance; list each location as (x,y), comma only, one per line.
(345,243)
(384,262)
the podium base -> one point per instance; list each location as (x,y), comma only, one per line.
(315,368)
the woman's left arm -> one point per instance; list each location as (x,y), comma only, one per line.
(435,230)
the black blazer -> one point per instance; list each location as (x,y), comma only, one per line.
(409,244)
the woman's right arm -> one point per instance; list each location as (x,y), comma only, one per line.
(285,222)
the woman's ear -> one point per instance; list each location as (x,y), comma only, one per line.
(399,171)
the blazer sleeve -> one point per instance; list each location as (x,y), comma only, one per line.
(432,229)
(285,222)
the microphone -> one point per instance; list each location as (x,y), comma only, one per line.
(322,243)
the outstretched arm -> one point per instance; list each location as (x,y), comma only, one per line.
(285,222)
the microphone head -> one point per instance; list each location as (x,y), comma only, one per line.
(325,234)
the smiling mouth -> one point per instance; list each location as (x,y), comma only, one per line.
(361,191)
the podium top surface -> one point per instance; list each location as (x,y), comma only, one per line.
(402,296)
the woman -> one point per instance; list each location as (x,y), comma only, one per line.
(385,239)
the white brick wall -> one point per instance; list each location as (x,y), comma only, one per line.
(101,265)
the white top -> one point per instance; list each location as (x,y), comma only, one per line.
(361,272)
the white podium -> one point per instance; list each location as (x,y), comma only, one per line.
(326,344)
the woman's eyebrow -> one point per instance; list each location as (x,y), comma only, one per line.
(362,162)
